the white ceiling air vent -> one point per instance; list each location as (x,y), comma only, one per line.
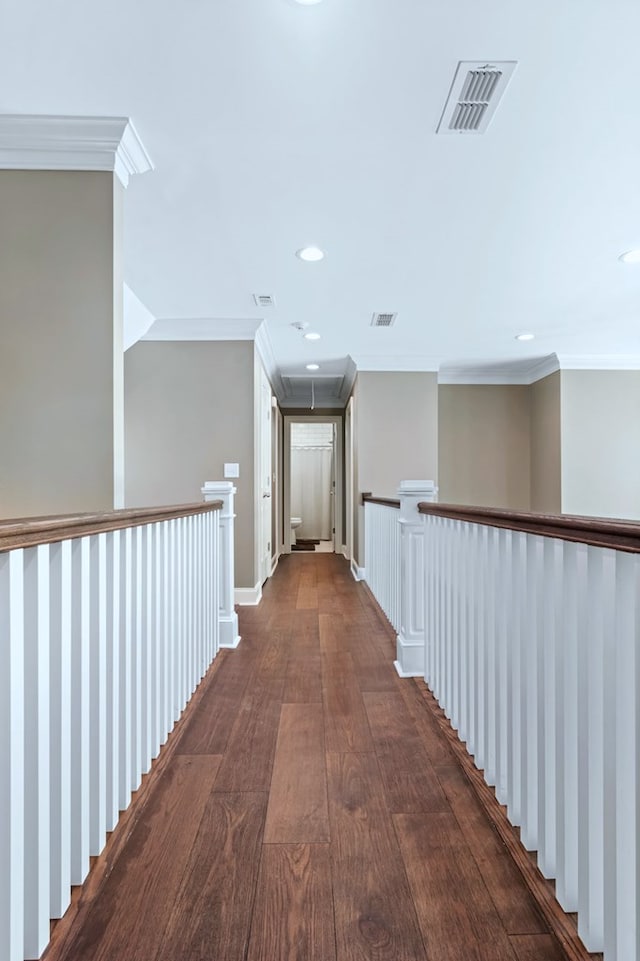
(475,93)
(383,320)
(264,300)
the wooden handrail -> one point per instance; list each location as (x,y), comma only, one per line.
(368,498)
(620,535)
(31,531)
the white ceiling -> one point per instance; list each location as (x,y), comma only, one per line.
(273,125)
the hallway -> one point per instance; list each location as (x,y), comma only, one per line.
(307,808)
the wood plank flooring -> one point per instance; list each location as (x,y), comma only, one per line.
(310,810)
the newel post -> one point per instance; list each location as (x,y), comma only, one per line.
(224,491)
(411,639)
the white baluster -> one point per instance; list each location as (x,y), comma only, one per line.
(622,769)
(492,691)
(463,630)
(36,751)
(213,582)
(60,727)
(147,639)
(472,643)
(534,602)
(567,671)
(517,629)
(551,632)
(97,650)
(160,633)
(113,586)
(136,660)
(11,756)
(126,655)
(80,709)
(504,598)
(591,760)
(481,661)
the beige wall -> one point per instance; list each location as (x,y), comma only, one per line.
(189,408)
(60,356)
(484,445)
(395,432)
(546,477)
(397,428)
(601,443)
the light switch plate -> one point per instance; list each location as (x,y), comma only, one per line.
(232,470)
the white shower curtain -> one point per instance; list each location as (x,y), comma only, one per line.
(311,491)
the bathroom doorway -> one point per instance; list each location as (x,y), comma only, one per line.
(313,483)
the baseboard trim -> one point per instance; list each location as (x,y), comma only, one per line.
(359,573)
(248,596)
(274,564)
(402,673)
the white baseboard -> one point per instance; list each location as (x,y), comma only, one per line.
(410,658)
(344,552)
(359,573)
(275,564)
(248,596)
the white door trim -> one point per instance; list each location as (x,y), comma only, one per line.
(338,420)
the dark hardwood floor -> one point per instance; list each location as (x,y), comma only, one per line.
(307,808)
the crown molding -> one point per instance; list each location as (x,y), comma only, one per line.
(401,362)
(521,372)
(265,352)
(203,328)
(38,142)
(599,361)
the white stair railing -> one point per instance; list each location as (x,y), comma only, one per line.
(533,652)
(107,624)
(382,554)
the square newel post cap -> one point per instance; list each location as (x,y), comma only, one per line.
(213,489)
(411,493)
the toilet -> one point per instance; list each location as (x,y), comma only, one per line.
(295,524)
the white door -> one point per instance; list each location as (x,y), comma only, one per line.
(265,478)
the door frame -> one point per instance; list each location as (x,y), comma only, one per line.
(338,497)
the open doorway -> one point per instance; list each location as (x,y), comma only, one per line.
(313,484)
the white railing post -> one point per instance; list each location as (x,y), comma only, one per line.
(410,649)
(224,491)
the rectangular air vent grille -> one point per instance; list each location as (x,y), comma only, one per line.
(264,300)
(383,320)
(476,90)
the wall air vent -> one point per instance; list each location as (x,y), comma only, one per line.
(475,93)
(264,300)
(383,320)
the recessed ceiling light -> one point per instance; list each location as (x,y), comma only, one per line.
(313,366)
(525,336)
(307,3)
(312,336)
(310,254)
(630,257)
